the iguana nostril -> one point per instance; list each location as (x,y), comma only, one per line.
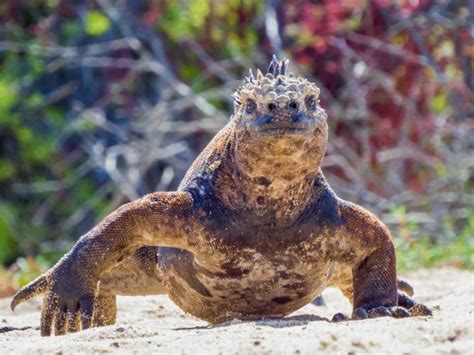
(293,105)
(271,107)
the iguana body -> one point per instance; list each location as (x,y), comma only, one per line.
(253,231)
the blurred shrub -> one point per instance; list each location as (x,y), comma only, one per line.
(101,104)
(456,250)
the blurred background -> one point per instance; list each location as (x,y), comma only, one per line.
(102,102)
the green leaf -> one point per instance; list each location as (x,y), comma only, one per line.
(6,169)
(439,103)
(175,23)
(8,94)
(198,10)
(96,23)
(8,245)
(70,31)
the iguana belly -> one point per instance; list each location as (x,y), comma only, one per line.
(246,286)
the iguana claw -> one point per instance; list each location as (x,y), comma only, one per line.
(36,287)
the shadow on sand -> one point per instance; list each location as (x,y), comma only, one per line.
(292,321)
(11,329)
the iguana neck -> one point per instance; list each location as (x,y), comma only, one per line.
(269,184)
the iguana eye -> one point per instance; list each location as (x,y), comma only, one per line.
(311,103)
(251,106)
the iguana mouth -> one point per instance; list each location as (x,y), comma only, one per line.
(281,130)
(271,125)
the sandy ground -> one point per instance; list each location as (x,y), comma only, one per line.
(156,325)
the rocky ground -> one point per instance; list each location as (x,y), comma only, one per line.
(155,324)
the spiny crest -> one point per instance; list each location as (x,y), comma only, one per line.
(275,85)
(277,67)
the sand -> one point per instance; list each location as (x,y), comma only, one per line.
(153,324)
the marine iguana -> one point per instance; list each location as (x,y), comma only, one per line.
(253,231)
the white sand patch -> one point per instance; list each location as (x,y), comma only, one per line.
(154,324)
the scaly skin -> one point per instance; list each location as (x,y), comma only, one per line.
(253,231)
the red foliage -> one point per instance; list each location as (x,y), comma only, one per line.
(402,71)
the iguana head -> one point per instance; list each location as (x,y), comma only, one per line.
(278,103)
(278,118)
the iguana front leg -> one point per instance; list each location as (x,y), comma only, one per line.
(374,278)
(137,275)
(71,286)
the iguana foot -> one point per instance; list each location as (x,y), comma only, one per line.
(395,312)
(339,317)
(407,307)
(417,310)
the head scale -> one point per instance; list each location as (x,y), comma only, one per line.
(275,87)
